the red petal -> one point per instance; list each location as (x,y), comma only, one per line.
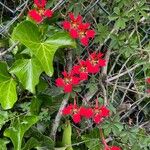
(83,76)
(99,55)
(76,118)
(102,62)
(84,41)
(35,16)
(59,82)
(67,110)
(75,80)
(74,33)
(115,148)
(68,88)
(86,112)
(66,25)
(76,69)
(90,33)
(148,80)
(71,15)
(40,3)
(104,111)
(65,74)
(48,13)
(79,19)
(92,68)
(97,119)
(93,55)
(83,26)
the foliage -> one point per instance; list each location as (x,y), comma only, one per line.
(34,53)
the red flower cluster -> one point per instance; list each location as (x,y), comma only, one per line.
(98,113)
(39,13)
(78,29)
(80,72)
(67,82)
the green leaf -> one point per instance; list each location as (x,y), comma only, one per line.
(92,140)
(8,94)
(66,140)
(28,71)
(102,33)
(120,23)
(28,34)
(38,140)
(31,143)
(35,106)
(3,118)
(3,143)
(17,129)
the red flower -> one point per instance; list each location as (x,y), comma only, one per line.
(67,82)
(77,29)
(86,112)
(85,33)
(81,70)
(40,3)
(73,23)
(100,112)
(148,80)
(74,111)
(94,62)
(40,12)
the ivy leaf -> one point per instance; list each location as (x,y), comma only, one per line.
(8,94)
(17,129)
(28,71)
(28,34)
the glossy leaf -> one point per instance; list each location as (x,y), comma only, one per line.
(28,34)
(8,94)
(17,129)
(28,71)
